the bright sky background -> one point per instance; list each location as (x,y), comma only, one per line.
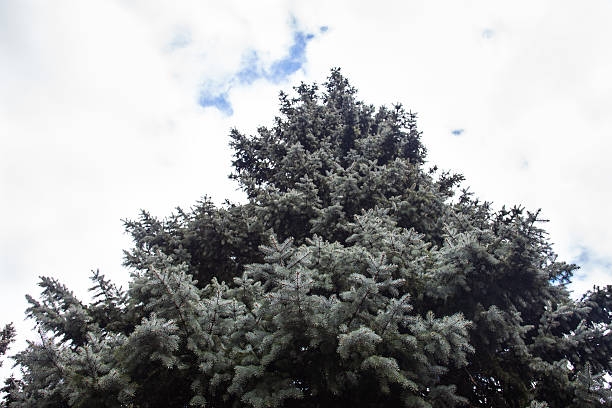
(107,107)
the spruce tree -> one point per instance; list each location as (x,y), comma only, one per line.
(351,276)
(7,336)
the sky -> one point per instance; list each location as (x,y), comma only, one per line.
(109,107)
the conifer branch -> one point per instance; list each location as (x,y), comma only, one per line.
(297,261)
(214,318)
(169,293)
(48,351)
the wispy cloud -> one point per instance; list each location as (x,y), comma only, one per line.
(583,257)
(251,70)
(254,68)
(279,70)
(594,270)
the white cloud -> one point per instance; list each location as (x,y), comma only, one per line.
(99,113)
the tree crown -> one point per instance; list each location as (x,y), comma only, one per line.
(350,277)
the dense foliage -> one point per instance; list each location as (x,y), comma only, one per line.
(352,277)
(7,335)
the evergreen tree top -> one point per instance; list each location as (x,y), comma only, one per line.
(348,278)
(327,131)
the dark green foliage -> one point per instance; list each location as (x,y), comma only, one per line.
(350,277)
(7,336)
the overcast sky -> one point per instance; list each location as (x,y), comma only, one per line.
(107,107)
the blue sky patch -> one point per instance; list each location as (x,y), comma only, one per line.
(457,132)
(281,69)
(181,40)
(487,33)
(218,101)
(253,70)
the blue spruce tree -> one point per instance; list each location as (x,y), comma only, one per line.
(351,277)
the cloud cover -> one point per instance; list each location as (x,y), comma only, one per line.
(111,106)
